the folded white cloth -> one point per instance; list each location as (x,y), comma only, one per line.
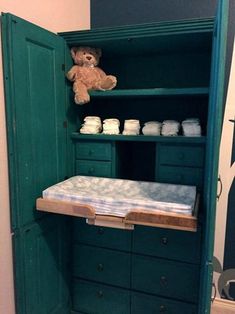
(152,128)
(111,126)
(131,127)
(170,128)
(191,127)
(92,125)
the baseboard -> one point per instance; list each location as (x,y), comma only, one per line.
(225,305)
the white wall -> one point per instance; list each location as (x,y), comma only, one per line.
(56,16)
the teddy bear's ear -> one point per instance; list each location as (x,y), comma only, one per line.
(73,52)
(98,52)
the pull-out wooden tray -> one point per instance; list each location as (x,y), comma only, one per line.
(134,217)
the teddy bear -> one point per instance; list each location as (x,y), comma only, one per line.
(86,75)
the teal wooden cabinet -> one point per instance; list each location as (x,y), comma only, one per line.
(166,71)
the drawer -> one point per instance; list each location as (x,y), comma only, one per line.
(100,236)
(180,175)
(165,243)
(181,155)
(102,265)
(94,168)
(165,278)
(146,304)
(92,298)
(93,150)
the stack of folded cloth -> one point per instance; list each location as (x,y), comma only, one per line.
(111,126)
(191,127)
(92,125)
(170,128)
(131,127)
(152,128)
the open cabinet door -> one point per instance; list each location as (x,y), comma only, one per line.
(216,102)
(35,107)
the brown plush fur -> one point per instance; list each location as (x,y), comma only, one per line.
(85,74)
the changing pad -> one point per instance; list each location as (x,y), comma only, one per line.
(117,197)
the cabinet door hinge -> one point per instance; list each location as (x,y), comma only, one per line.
(63,67)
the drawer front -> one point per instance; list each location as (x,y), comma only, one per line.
(181,155)
(146,304)
(94,168)
(165,243)
(102,265)
(93,150)
(180,175)
(100,236)
(94,298)
(165,278)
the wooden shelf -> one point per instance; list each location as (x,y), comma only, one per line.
(152,92)
(134,217)
(140,138)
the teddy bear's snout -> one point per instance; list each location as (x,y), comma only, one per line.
(88,58)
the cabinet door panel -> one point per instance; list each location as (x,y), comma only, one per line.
(93,298)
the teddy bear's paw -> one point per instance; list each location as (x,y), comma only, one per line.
(81,99)
(109,82)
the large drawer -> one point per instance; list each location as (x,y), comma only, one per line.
(165,243)
(102,265)
(94,168)
(92,298)
(146,304)
(165,278)
(180,175)
(94,150)
(181,155)
(100,236)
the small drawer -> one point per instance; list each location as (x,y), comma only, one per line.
(102,265)
(146,304)
(96,298)
(165,278)
(181,155)
(165,243)
(94,168)
(180,175)
(93,150)
(100,236)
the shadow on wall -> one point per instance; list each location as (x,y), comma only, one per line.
(226,278)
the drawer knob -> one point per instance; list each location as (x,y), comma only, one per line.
(164,240)
(100,293)
(163,281)
(181,156)
(100,267)
(101,231)
(91,152)
(91,170)
(162,309)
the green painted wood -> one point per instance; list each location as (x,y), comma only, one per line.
(93,298)
(41,273)
(165,278)
(169,244)
(151,92)
(110,238)
(94,168)
(102,265)
(35,105)
(143,304)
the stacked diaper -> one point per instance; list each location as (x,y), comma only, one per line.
(191,127)
(92,125)
(111,126)
(131,127)
(170,128)
(152,128)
